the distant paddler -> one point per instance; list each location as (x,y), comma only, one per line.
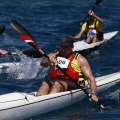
(92,29)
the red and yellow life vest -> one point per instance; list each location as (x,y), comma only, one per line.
(92,28)
(57,74)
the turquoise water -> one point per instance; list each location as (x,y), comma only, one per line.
(47,21)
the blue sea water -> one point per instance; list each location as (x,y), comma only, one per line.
(47,21)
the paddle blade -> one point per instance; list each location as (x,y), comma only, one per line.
(98,1)
(32,53)
(23,34)
(2,29)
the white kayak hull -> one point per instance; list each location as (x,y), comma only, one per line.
(22,105)
(82,46)
(8,67)
(14,67)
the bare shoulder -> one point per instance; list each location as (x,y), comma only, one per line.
(85,67)
(82,60)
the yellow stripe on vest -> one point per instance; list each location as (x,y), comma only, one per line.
(76,67)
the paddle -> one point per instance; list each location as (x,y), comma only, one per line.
(96,3)
(29,53)
(32,53)
(25,35)
(2,29)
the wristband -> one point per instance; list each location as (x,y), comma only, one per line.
(93,93)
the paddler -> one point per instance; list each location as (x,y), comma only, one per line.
(92,29)
(74,64)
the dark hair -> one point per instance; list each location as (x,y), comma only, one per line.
(66,41)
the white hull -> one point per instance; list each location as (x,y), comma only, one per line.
(8,67)
(82,45)
(22,105)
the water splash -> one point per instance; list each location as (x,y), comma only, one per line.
(115,95)
(7,39)
(27,68)
(42,72)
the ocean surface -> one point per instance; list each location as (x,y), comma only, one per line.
(47,21)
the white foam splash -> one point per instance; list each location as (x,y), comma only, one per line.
(28,68)
(115,95)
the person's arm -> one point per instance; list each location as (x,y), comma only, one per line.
(52,59)
(86,70)
(95,16)
(3,52)
(79,35)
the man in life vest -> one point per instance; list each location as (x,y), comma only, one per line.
(74,64)
(92,29)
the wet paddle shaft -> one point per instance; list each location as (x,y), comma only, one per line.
(33,53)
(25,35)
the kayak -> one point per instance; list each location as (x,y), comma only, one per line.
(83,47)
(20,106)
(8,67)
